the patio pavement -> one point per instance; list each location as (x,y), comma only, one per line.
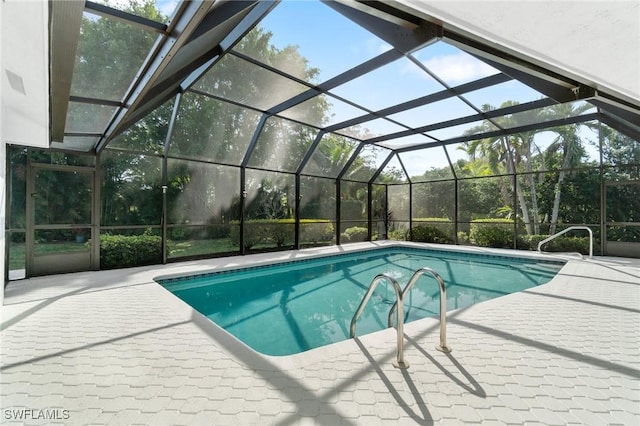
(114,347)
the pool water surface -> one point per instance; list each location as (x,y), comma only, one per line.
(292,307)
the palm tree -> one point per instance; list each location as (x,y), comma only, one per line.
(567,143)
(512,152)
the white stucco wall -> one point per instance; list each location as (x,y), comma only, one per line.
(3,193)
(25,60)
(24,87)
(3,181)
(594,42)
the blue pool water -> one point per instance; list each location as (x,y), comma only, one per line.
(293,307)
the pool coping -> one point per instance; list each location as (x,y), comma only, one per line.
(205,274)
(266,259)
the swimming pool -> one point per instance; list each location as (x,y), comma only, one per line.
(291,307)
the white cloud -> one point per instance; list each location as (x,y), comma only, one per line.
(458,68)
(166,6)
(375,46)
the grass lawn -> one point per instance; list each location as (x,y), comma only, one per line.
(17,255)
(199,247)
(176,249)
(17,251)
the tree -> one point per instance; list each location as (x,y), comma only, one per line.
(506,154)
(621,152)
(518,152)
(570,147)
(214,130)
(109,54)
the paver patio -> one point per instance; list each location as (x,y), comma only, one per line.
(114,347)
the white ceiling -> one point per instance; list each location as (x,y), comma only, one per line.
(594,42)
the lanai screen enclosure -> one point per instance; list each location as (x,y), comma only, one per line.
(199,129)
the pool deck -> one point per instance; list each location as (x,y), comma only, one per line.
(114,347)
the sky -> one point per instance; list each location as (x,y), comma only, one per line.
(165,6)
(334,44)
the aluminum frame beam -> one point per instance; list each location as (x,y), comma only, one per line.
(547,86)
(65,23)
(404,33)
(622,110)
(355,72)
(382,166)
(624,127)
(129,18)
(501,58)
(171,75)
(505,132)
(185,23)
(424,100)
(95,101)
(255,15)
(467,119)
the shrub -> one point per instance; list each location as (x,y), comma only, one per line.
(399,234)
(280,231)
(234,234)
(315,231)
(217,231)
(18,237)
(623,233)
(254,233)
(178,233)
(443,224)
(355,234)
(429,234)
(463,238)
(568,244)
(121,251)
(559,244)
(497,233)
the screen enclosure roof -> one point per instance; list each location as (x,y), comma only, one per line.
(393,76)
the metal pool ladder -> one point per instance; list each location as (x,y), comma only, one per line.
(564,231)
(399,306)
(400,362)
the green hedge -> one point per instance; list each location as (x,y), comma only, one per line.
(429,234)
(432,219)
(623,233)
(314,232)
(280,232)
(400,234)
(497,233)
(199,232)
(559,244)
(443,224)
(437,230)
(121,251)
(354,234)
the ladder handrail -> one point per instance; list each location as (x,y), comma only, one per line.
(443,304)
(564,231)
(401,363)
